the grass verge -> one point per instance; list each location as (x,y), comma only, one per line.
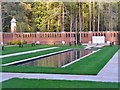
(35,83)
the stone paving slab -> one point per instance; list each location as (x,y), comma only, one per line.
(108,74)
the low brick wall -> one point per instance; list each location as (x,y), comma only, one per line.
(58,37)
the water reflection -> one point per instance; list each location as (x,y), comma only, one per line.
(59,59)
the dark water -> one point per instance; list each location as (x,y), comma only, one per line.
(58,60)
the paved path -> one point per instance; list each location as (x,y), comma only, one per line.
(110,70)
(108,74)
(32,51)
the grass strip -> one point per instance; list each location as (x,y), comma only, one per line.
(95,62)
(29,55)
(35,54)
(90,65)
(36,83)
(28,47)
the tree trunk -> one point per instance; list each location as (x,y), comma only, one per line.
(93,16)
(48,25)
(76,28)
(109,17)
(58,25)
(98,15)
(80,22)
(1,29)
(63,17)
(71,18)
(111,20)
(47,20)
(105,19)
(90,15)
(82,17)
(21,32)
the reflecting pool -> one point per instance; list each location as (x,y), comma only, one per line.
(57,60)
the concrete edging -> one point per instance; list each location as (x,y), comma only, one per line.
(35,57)
(79,59)
(27,52)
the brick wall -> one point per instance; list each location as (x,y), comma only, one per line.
(58,37)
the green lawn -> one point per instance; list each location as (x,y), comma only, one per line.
(29,55)
(27,47)
(35,83)
(90,65)
(35,54)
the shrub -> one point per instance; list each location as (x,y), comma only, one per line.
(16,42)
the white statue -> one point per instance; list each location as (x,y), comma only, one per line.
(13,25)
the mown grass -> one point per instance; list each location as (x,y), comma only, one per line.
(35,54)
(29,55)
(94,63)
(90,65)
(27,47)
(36,83)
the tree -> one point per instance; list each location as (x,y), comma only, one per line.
(61,16)
(21,11)
(47,16)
